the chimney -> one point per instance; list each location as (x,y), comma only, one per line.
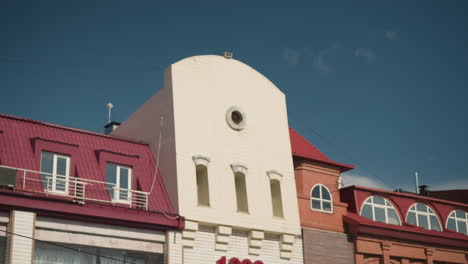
(423,190)
(111,127)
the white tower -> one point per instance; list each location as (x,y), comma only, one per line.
(225,153)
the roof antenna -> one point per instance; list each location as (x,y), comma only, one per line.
(417,182)
(109,106)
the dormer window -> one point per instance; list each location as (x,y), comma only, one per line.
(458,221)
(55,170)
(423,216)
(119,178)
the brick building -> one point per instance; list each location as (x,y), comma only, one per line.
(393,227)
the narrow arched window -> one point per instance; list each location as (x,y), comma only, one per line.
(202,186)
(320,199)
(458,221)
(379,209)
(423,216)
(241,192)
(276,198)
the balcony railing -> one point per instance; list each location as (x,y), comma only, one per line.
(79,189)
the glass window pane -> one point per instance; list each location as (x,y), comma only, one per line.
(393,217)
(316,192)
(123,183)
(111,177)
(421,207)
(61,166)
(462,227)
(325,194)
(367,211)
(316,204)
(47,163)
(422,221)
(451,225)
(460,213)
(379,200)
(327,206)
(411,218)
(379,214)
(435,223)
(123,178)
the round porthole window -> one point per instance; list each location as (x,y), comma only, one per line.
(235,118)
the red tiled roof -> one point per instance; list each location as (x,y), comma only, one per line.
(18,144)
(304,149)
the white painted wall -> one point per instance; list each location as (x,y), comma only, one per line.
(21,248)
(203,252)
(197,93)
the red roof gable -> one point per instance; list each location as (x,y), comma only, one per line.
(22,141)
(304,149)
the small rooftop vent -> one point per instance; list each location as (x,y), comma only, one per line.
(111,127)
(227,55)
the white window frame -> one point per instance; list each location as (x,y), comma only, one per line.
(385,207)
(321,199)
(428,213)
(54,173)
(116,192)
(456,218)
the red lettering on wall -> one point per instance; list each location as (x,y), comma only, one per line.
(222,260)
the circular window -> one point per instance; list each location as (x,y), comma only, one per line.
(235,118)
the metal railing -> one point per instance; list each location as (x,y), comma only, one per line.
(80,189)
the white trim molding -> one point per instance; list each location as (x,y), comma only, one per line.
(274,175)
(239,168)
(201,160)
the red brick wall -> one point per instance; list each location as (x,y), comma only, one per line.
(308,173)
(324,247)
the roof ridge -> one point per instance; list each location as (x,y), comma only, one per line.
(78,130)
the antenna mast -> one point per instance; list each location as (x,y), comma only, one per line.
(109,106)
(417,182)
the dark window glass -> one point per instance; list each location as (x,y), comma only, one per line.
(411,218)
(367,211)
(316,192)
(393,217)
(379,200)
(462,227)
(316,204)
(421,207)
(47,164)
(111,177)
(325,194)
(379,214)
(327,206)
(452,225)
(434,223)
(459,214)
(422,221)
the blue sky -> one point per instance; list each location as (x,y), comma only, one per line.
(378,84)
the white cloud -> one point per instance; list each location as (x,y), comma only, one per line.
(360,180)
(450,185)
(368,54)
(291,56)
(391,35)
(318,61)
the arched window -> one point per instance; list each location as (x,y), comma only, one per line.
(276,198)
(379,209)
(458,221)
(423,216)
(203,190)
(321,199)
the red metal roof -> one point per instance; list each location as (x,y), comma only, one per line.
(304,149)
(23,139)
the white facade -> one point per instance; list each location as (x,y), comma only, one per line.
(190,124)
